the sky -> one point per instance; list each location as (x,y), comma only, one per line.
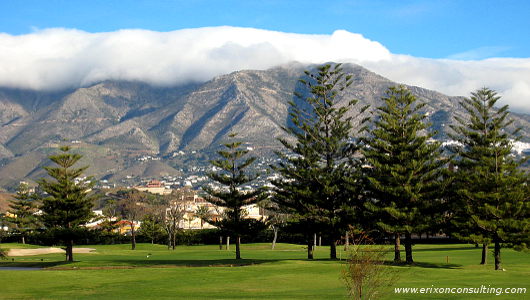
(451,46)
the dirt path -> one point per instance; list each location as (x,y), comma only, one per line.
(39,251)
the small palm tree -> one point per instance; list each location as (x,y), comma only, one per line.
(203,213)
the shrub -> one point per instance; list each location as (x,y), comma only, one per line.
(365,273)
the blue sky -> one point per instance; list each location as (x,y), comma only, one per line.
(459,29)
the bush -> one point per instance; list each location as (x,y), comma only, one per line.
(3,253)
(365,273)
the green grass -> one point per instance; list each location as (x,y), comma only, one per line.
(205,272)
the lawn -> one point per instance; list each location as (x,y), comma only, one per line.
(205,272)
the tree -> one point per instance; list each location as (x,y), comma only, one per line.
(315,180)
(231,177)
(68,205)
(173,215)
(275,218)
(23,208)
(132,208)
(151,228)
(4,223)
(203,213)
(405,169)
(494,193)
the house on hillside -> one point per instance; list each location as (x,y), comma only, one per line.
(191,203)
(154,187)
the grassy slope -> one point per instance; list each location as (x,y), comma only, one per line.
(279,274)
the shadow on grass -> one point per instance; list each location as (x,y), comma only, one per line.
(425,265)
(173,263)
(445,249)
(126,264)
(190,263)
(31,264)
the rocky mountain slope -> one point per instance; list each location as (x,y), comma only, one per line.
(119,126)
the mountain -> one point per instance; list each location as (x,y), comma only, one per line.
(133,130)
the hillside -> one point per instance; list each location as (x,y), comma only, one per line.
(118,125)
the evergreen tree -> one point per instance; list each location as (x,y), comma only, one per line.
(23,208)
(405,169)
(152,228)
(315,183)
(494,193)
(67,206)
(232,176)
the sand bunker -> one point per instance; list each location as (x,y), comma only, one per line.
(39,251)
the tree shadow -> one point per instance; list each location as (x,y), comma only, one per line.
(424,265)
(193,263)
(132,263)
(31,264)
(445,249)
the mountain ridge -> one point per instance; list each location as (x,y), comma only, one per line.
(115,122)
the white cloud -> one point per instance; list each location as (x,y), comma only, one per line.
(510,77)
(59,58)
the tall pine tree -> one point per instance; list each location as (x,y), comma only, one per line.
(232,177)
(405,169)
(23,209)
(67,206)
(494,193)
(315,181)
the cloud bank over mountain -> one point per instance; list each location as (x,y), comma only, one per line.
(59,58)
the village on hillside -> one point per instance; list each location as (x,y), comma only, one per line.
(189,202)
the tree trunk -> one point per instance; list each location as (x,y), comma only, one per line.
(275,230)
(23,240)
(238,250)
(133,237)
(228,243)
(320,241)
(309,249)
(174,240)
(497,254)
(70,251)
(484,259)
(397,245)
(220,242)
(408,248)
(347,242)
(333,248)
(315,240)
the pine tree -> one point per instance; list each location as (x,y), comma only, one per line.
(232,176)
(315,183)
(494,193)
(151,228)
(405,169)
(23,208)
(68,205)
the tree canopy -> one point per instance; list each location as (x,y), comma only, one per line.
(493,192)
(229,195)
(68,204)
(404,168)
(316,183)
